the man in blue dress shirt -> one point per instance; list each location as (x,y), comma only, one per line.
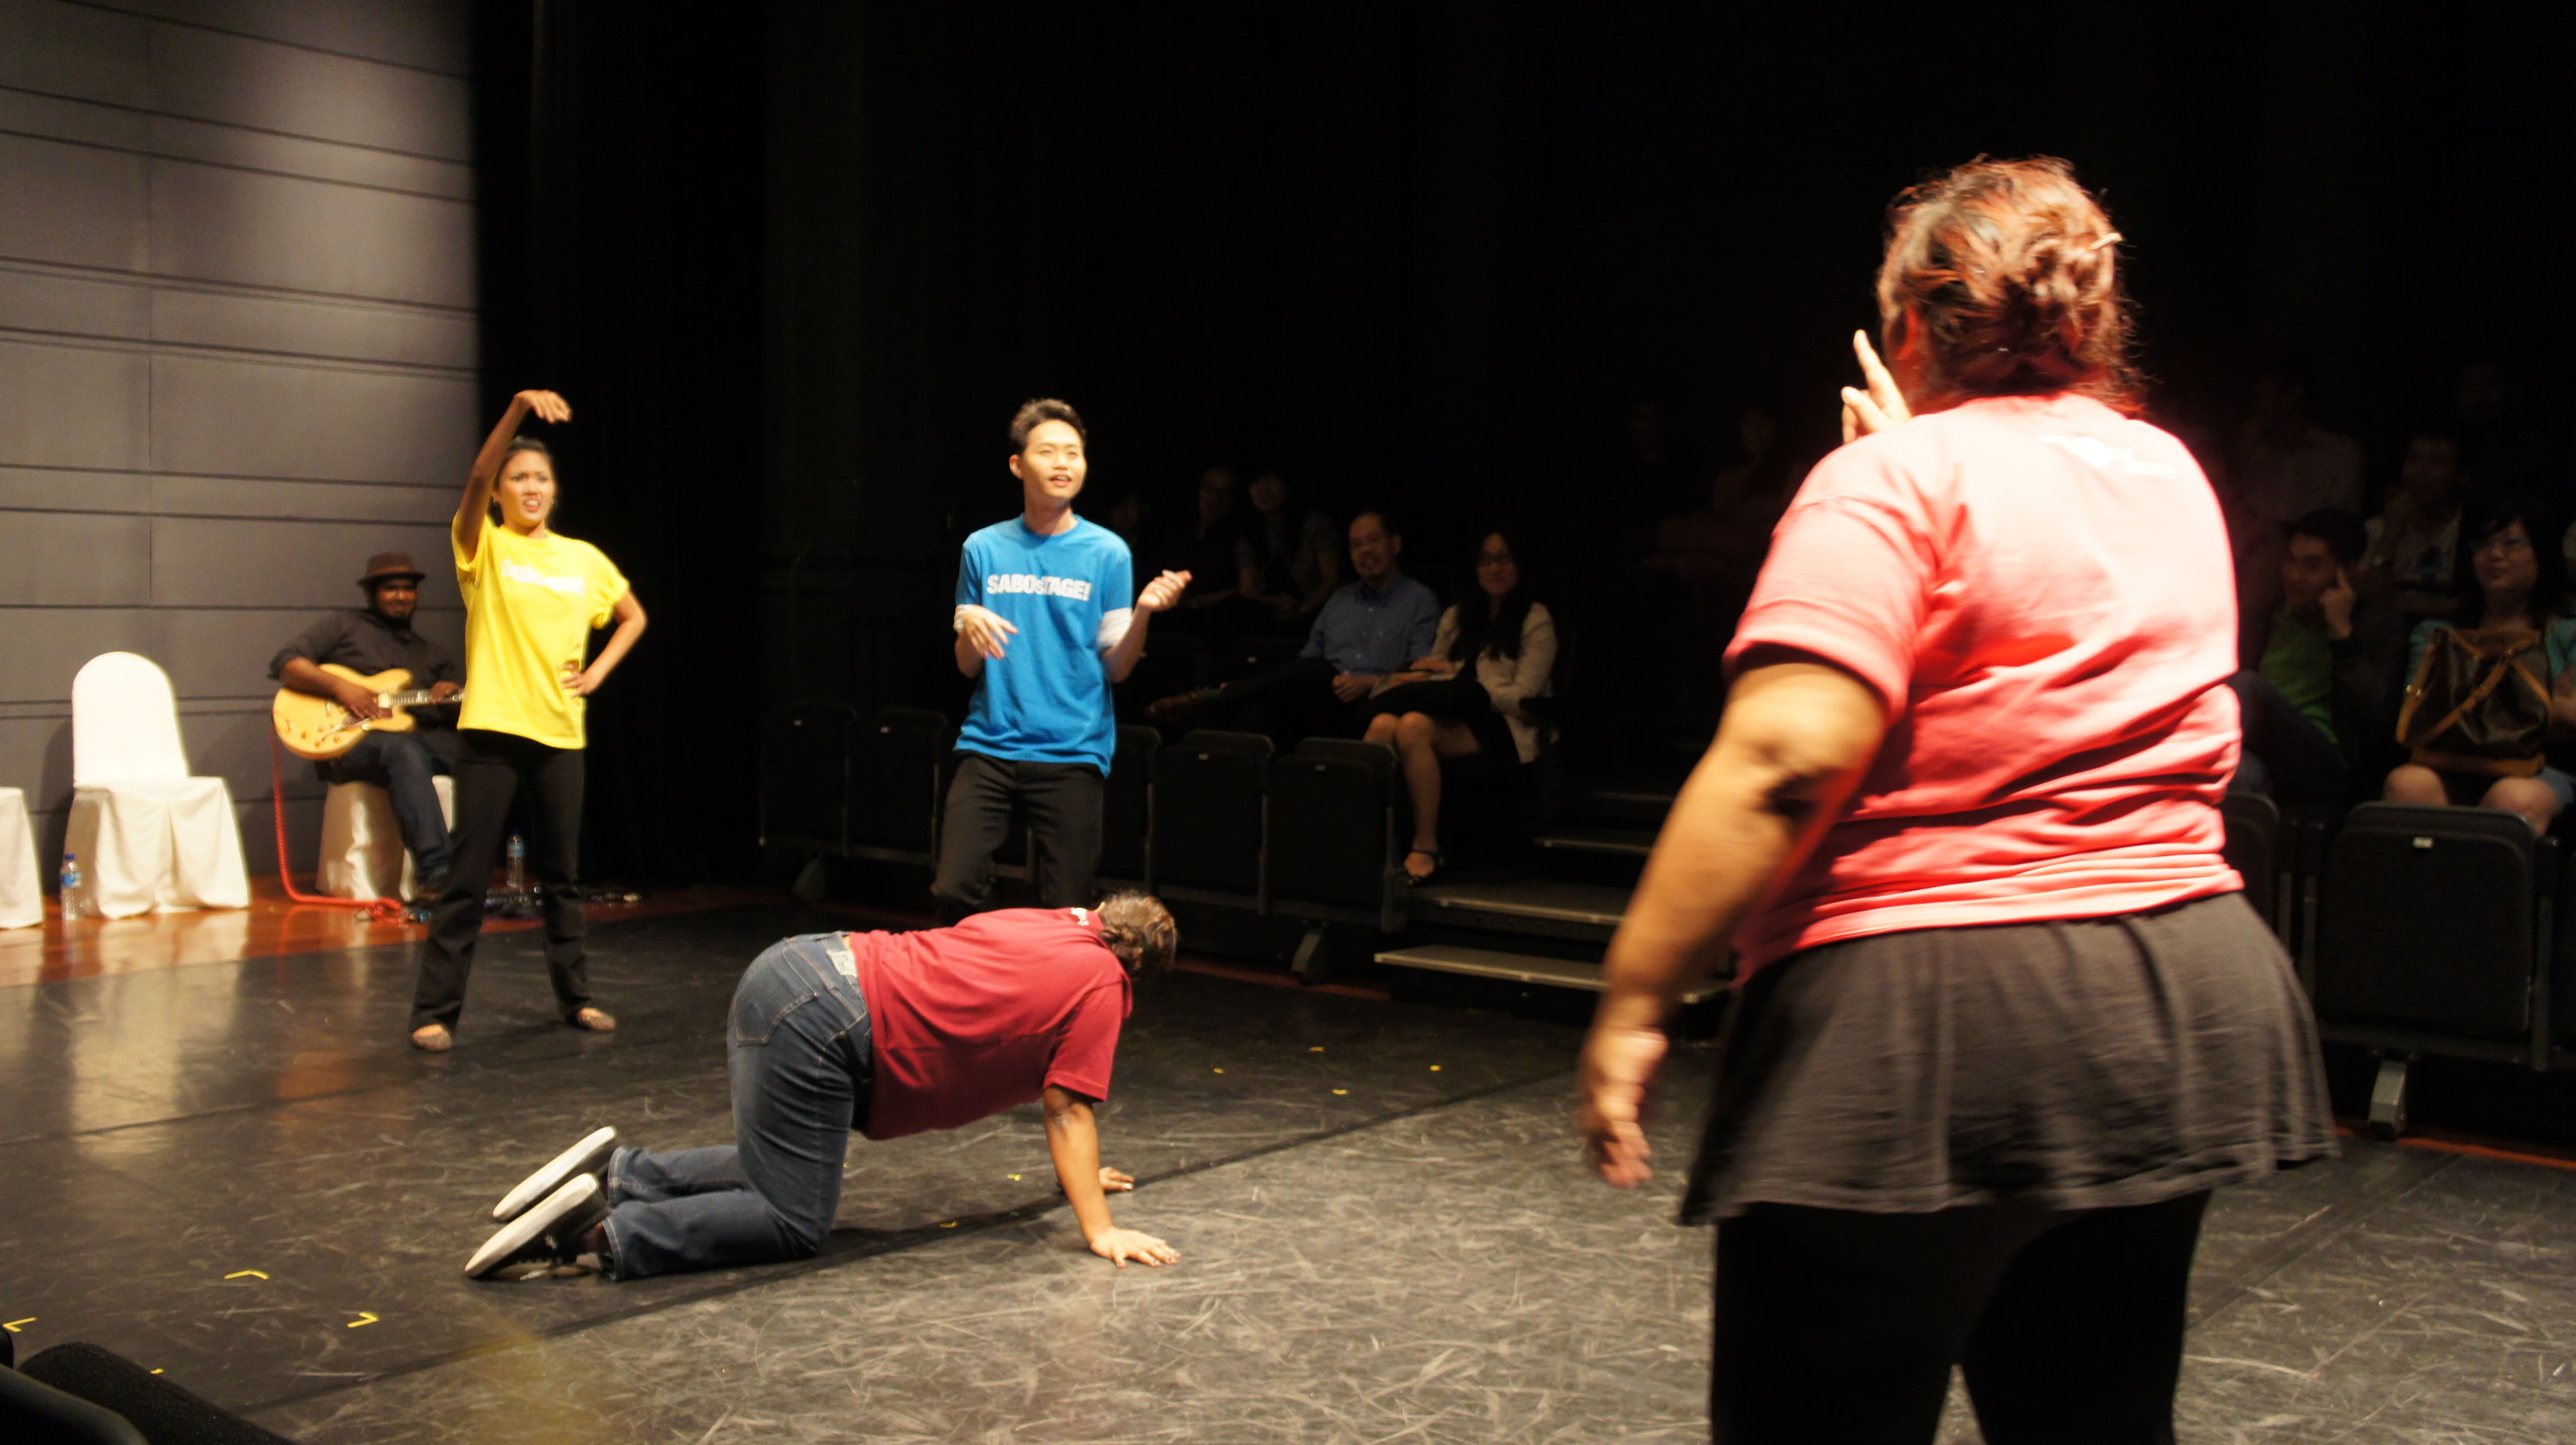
(1044,625)
(1367,629)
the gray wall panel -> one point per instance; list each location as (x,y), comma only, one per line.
(300,327)
(72,406)
(48,490)
(73,204)
(197,562)
(236,348)
(260,230)
(41,649)
(36,755)
(224,653)
(208,75)
(429,34)
(75,50)
(258,418)
(68,559)
(73,305)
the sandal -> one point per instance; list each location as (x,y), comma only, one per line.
(1416,880)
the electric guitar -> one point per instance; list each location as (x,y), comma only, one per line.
(319,727)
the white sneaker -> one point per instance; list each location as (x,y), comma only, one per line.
(590,1156)
(546,1240)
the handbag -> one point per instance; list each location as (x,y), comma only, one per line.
(2479,703)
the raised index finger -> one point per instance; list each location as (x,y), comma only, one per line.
(1872,370)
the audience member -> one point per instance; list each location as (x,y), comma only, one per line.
(1467,697)
(2321,684)
(1366,630)
(1291,560)
(2291,466)
(2505,582)
(1209,550)
(2414,544)
(1130,516)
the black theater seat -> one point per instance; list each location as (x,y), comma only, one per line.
(2433,928)
(1208,823)
(1332,833)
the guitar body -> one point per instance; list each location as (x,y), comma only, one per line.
(319,728)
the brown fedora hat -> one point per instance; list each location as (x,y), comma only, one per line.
(390,564)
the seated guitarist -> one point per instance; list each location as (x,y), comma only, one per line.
(368,641)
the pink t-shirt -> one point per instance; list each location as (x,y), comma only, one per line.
(965,1022)
(2039,591)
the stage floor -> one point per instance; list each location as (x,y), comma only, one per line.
(1385,1231)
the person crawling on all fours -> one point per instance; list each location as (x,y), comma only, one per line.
(887,1034)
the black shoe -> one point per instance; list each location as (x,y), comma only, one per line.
(590,1157)
(546,1242)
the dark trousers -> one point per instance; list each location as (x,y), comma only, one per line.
(1842,1326)
(800,1055)
(1290,703)
(402,764)
(1063,804)
(2289,758)
(492,769)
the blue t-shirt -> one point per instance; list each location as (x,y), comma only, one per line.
(1046,698)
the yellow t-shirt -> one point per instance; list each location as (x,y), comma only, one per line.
(530,606)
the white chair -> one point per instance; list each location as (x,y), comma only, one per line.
(362,848)
(22,891)
(148,835)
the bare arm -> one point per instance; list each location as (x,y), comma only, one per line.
(630,626)
(1073,1142)
(1158,596)
(1795,739)
(470,513)
(304,675)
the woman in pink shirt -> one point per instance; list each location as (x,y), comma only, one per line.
(2003,1019)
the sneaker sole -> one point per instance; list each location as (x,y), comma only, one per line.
(579,1192)
(585,1157)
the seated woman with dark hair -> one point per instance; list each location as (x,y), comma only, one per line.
(1494,651)
(2506,579)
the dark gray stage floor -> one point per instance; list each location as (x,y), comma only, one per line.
(1386,1236)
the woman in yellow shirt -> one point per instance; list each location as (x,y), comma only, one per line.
(532,599)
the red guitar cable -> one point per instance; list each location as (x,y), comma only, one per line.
(384,910)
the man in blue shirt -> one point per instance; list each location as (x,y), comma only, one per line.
(1044,625)
(1367,629)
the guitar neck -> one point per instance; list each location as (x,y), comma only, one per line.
(415,698)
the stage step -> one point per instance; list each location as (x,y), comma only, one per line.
(1546,906)
(1639,803)
(1509,967)
(1580,838)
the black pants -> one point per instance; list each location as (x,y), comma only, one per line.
(2294,762)
(1063,803)
(491,769)
(402,764)
(1842,1326)
(1290,703)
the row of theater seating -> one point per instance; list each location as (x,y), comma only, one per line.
(1215,818)
(2417,931)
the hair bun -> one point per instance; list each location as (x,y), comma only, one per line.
(2009,269)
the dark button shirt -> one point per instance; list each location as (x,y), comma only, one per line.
(367,644)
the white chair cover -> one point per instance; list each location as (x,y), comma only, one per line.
(147,834)
(362,848)
(22,888)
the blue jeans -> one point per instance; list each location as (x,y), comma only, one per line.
(402,764)
(800,1058)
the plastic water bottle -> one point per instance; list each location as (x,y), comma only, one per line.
(518,860)
(74,905)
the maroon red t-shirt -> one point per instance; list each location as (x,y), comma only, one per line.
(971,1020)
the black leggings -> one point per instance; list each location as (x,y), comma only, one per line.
(1842,1326)
(491,769)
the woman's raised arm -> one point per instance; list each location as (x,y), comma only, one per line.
(470,512)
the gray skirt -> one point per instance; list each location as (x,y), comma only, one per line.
(2082,1063)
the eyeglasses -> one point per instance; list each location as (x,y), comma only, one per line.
(2504,545)
(1493,559)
